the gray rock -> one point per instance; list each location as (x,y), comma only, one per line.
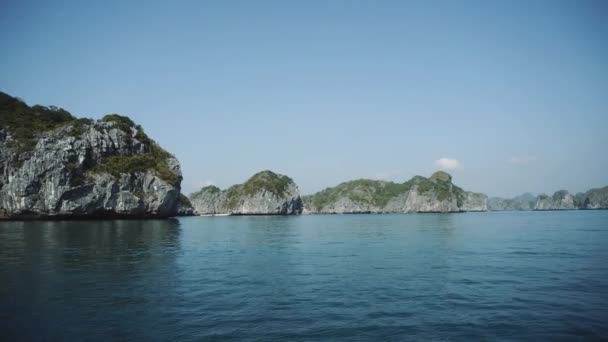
(474,201)
(595,199)
(61,177)
(209,200)
(561,200)
(265,193)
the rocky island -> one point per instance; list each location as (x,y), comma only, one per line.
(53,165)
(265,193)
(522,202)
(561,200)
(436,194)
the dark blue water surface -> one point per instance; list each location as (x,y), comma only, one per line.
(498,276)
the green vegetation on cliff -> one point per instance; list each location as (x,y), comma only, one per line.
(24,122)
(233,196)
(261,181)
(209,188)
(441,176)
(265,193)
(441,184)
(378,193)
(264,181)
(374,192)
(154,158)
(124,123)
(269,181)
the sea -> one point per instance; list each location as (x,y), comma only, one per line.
(499,276)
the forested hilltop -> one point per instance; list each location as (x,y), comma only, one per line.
(419,194)
(265,193)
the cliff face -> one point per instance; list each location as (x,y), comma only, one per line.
(474,201)
(596,198)
(69,167)
(265,193)
(209,200)
(419,194)
(561,200)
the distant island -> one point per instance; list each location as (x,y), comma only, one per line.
(561,200)
(265,193)
(436,194)
(268,193)
(54,165)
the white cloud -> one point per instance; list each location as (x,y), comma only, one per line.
(448,164)
(521,160)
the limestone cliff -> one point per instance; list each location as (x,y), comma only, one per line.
(419,194)
(561,200)
(265,193)
(474,201)
(53,165)
(596,199)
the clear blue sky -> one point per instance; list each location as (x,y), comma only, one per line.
(327,91)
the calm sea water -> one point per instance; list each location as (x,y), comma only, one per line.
(498,276)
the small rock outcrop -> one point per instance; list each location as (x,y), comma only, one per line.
(53,165)
(419,194)
(265,193)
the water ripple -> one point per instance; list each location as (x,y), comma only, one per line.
(486,276)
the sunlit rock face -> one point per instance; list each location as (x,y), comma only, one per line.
(82,168)
(561,200)
(265,193)
(474,201)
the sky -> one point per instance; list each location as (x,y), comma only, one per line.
(507,96)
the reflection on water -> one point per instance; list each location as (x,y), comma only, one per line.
(74,270)
(364,277)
